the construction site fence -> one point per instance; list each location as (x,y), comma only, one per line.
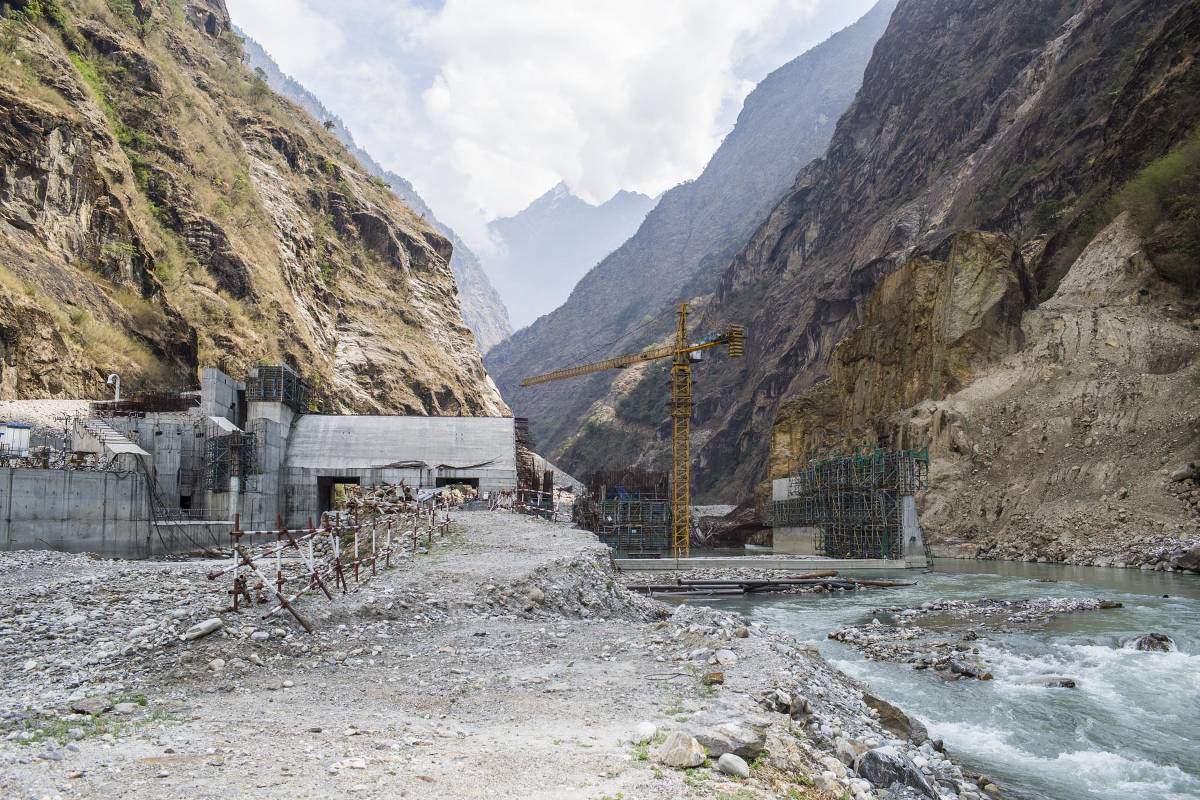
(278,567)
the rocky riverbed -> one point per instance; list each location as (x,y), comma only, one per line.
(948,643)
(508,662)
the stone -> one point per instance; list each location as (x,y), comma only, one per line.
(91,705)
(733,765)
(726,658)
(644,732)
(536,595)
(260,636)
(848,750)
(798,707)
(125,708)
(202,629)
(831,764)
(1061,683)
(885,766)
(827,782)
(741,632)
(895,721)
(1154,643)
(713,678)
(726,729)
(681,750)
(217,664)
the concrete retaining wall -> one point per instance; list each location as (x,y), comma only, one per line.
(76,511)
(107,513)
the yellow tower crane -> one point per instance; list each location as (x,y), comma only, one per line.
(682,355)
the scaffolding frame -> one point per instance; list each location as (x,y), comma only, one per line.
(278,384)
(855,502)
(629,510)
(229,456)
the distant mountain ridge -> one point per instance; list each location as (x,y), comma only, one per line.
(553,242)
(482,308)
(680,251)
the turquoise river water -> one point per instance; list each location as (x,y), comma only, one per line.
(1130,731)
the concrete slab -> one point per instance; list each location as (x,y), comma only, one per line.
(766,563)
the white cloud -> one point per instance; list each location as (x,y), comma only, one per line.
(484,105)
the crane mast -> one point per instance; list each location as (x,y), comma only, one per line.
(681,410)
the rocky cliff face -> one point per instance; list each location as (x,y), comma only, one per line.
(1056,434)
(628,300)
(926,329)
(1015,118)
(482,309)
(162,209)
(546,248)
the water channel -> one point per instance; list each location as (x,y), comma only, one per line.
(1131,728)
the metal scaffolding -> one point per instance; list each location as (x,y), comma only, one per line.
(278,384)
(229,456)
(629,510)
(855,502)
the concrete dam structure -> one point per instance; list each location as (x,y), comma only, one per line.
(168,474)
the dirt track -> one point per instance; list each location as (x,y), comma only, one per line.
(506,664)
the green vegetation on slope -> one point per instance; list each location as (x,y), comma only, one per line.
(1162,201)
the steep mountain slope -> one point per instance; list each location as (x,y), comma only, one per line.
(679,251)
(1017,118)
(482,308)
(1054,434)
(546,248)
(161,209)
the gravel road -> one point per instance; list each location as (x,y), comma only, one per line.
(506,663)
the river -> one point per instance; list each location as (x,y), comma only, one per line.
(1130,730)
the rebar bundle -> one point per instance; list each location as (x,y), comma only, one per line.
(855,501)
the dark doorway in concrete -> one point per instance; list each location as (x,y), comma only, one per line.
(327,489)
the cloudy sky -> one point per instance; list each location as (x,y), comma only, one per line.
(486,104)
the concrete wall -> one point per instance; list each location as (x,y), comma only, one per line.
(107,513)
(76,511)
(219,395)
(374,450)
(795,541)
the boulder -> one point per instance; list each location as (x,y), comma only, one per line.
(895,721)
(1154,643)
(733,765)
(828,783)
(91,705)
(713,678)
(886,766)
(1188,559)
(202,629)
(726,729)
(681,751)
(1061,683)
(848,750)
